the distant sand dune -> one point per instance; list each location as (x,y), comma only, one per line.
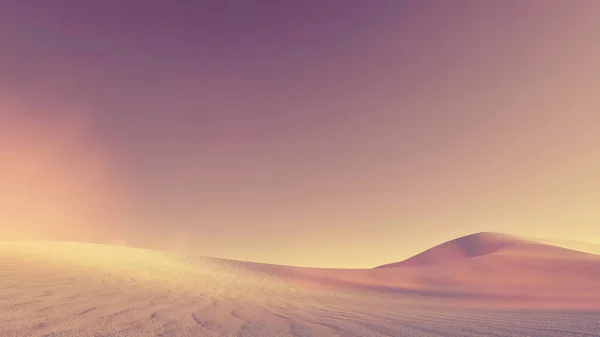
(482,285)
(481,244)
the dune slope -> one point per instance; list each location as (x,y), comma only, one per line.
(469,246)
(486,243)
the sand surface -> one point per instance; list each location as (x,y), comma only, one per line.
(482,285)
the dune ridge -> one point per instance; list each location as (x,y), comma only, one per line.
(469,246)
(485,280)
(485,243)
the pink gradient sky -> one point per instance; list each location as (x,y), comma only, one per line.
(325,133)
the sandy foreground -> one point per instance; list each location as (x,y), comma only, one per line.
(481,285)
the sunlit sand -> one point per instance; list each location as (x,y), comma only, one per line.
(485,284)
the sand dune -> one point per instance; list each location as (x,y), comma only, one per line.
(469,246)
(481,285)
(486,243)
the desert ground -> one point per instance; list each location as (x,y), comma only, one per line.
(485,284)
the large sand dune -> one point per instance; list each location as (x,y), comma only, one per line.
(481,285)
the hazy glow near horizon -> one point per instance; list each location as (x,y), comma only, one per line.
(321,133)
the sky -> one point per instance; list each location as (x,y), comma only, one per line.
(329,133)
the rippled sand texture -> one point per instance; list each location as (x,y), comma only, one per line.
(482,285)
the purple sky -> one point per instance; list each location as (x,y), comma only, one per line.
(266,130)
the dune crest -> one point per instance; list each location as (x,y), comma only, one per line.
(479,245)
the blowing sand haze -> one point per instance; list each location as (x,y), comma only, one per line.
(485,284)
